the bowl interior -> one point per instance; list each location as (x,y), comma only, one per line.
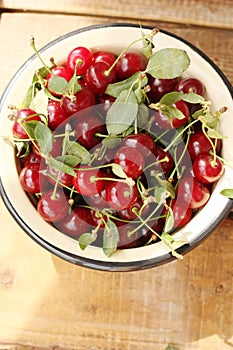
(114,38)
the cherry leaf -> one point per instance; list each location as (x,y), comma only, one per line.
(44,137)
(169,223)
(111,238)
(70,160)
(191,97)
(40,102)
(73,86)
(168,63)
(86,239)
(57,84)
(75,149)
(171,97)
(116,89)
(60,166)
(227,192)
(118,171)
(122,113)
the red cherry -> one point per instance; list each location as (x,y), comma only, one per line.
(97,79)
(53,209)
(160,87)
(206,169)
(182,213)
(144,143)
(164,122)
(129,214)
(131,161)
(166,166)
(56,114)
(199,143)
(82,100)
(64,178)
(59,71)
(120,196)
(191,85)
(76,222)
(85,182)
(129,64)
(81,58)
(30,178)
(192,192)
(86,127)
(24,114)
(104,56)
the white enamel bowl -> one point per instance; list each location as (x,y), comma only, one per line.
(115,37)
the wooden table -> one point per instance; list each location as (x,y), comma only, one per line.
(46,303)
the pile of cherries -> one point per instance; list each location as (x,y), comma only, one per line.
(137,180)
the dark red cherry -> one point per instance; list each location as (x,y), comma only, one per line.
(81,58)
(76,222)
(129,213)
(129,64)
(104,103)
(87,181)
(120,195)
(82,100)
(199,143)
(131,161)
(25,115)
(56,114)
(206,169)
(144,143)
(187,85)
(31,158)
(98,219)
(52,207)
(163,165)
(182,213)
(86,127)
(63,178)
(160,87)
(97,78)
(165,123)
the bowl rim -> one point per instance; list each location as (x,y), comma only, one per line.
(97,264)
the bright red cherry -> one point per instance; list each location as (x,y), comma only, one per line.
(129,64)
(120,195)
(86,182)
(82,100)
(187,85)
(199,143)
(206,169)
(76,222)
(53,208)
(56,114)
(81,58)
(192,192)
(104,56)
(143,142)
(59,71)
(30,178)
(131,160)
(25,115)
(97,78)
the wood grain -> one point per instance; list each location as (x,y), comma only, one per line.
(213,13)
(47,303)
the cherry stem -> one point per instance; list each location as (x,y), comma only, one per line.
(32,43)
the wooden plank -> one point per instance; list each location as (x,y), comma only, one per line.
(214,13)
(213,42)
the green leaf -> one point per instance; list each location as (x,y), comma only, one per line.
(86,239)
(117,88)
(40,102)
(172,112)
(171,97)
(111,238)
(191,97)
(29,127)
(75,149)
(143,115)
(44,137)
(122,113)
(111,141)
(168,63)
(57,84)
(167,185)
(70,160)
(170,347)
(42,72)
(227,192)
(118,171)
(169,223)
(147,46)
(198,113)
(28,97)
(60,166)
(215,134)
(73,86)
